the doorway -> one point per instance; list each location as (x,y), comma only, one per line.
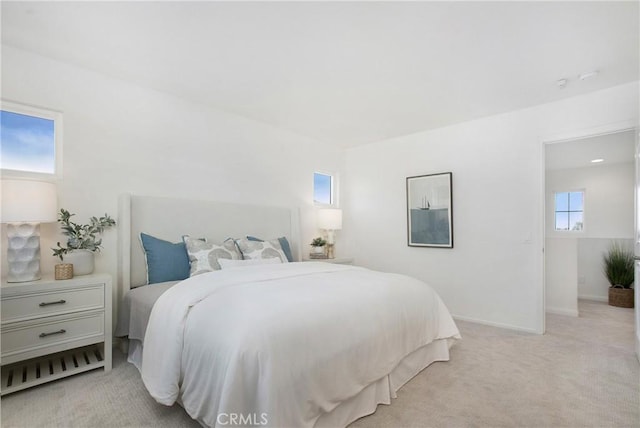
(573,250)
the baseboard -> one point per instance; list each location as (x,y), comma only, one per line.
(593,298)
(496,324)
(562,311)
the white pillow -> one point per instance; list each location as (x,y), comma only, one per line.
(227,263)
(205,256)
(261,249)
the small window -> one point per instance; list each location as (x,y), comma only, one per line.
(569,211)
(30,141)
(322,188)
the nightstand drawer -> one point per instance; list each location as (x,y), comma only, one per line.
(36,305)
(30,336)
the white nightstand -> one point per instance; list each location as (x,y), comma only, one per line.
(337,260)
(53,329)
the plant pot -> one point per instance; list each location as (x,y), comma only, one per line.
(82,261)
(621,297)
(317,250)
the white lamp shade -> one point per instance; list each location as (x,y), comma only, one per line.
(330,219)
(28,201)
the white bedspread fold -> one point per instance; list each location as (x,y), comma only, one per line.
(282,344)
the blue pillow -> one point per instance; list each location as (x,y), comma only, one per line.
(166,261)
(284,244)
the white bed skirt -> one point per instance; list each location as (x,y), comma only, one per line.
(134,354)
(379,392)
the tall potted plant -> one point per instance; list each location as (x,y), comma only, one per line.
(618,266)
(83,241)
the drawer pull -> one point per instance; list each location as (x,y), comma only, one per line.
(58,302)
(61,331)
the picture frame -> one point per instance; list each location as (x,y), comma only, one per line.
(430,210)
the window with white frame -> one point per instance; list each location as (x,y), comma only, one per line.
(322,189)
(569,211)
(31,141)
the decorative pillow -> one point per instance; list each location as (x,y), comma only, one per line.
(204,256)
(166,261)
(284,244)
(226,263)
(261,249)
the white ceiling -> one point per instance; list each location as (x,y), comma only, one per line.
(613,148)
(346,73)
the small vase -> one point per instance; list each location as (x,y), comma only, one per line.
(63,271)
(82,261)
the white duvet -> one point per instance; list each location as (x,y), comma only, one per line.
(283,344)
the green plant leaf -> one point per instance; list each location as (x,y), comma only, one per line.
(618,265)
(81,236)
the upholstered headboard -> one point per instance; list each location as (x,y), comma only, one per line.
(171,218)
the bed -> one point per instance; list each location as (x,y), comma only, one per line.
(296,344)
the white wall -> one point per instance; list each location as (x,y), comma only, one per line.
(609,210)
(494,272)
(561,276)
(119,137)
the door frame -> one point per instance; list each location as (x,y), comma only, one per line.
(636,243)
(577,134)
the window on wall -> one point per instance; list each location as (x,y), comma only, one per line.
(569,211)
(322,188)
(30,141)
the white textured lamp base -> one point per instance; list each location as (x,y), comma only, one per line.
(331,251)
(23,252)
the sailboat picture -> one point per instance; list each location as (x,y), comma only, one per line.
(430,210)
(425,204)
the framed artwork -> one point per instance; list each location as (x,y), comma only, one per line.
(430,211)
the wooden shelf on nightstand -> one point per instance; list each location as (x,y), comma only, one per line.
(53,329)
(337,260)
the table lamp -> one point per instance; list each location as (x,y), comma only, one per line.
(330,219)
(26,204)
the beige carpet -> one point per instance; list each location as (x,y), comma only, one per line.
(582,373)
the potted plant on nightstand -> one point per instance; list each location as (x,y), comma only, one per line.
(317,248)
(618,266)
(83,241)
